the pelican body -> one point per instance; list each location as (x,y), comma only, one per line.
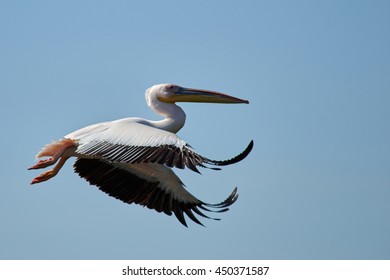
(131,159)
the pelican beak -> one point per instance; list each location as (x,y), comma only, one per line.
(199,95)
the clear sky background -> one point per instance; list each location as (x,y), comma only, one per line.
(317,74)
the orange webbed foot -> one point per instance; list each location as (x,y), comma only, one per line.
(43,163)
(44,177)
(51,173)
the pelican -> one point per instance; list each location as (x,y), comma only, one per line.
(131,159)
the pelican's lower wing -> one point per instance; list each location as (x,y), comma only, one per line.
(147,184)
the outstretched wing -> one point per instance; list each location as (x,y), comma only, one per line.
(131,141)
(152,185)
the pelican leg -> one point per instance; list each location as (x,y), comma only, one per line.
(50,173)
(55,151)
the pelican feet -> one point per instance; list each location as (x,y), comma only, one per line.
(59,151)
(44,177)
(43,163)
(50,173)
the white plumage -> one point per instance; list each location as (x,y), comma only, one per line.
(131,159)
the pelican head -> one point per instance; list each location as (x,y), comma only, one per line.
(171,93)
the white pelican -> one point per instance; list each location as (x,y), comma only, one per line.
(131,159)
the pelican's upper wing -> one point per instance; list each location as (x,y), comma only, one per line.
(153,185)
(134,141)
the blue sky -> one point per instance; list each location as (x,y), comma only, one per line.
(316,73)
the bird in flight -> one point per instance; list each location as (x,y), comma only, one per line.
(131,159)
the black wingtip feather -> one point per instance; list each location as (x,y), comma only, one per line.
(179,215)
(233,160)
(237,158)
